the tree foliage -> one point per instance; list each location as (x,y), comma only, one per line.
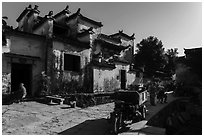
(172,54)
(150,55)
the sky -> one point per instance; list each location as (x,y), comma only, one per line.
(176,24)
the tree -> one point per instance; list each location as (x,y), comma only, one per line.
(150,55)
(172,54)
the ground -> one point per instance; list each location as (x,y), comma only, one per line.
(37,118)
(33,118)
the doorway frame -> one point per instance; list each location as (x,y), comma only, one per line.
(30,77)
(123,79)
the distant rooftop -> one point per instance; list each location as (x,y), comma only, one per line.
(121,34)
(110,39)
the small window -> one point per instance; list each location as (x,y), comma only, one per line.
(137,74)
(71,62)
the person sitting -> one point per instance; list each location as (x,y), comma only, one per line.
(22,92)
(161,94)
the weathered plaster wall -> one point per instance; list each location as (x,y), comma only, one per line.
(75,50)
(6,76)
(131,79)
(105,80)
(59,48)
(29,46)
(110,79)
(25,45)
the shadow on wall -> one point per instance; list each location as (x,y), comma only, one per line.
(89,127)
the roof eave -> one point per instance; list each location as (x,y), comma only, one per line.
(99,24)
(22,14)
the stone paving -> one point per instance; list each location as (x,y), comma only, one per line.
(33,118)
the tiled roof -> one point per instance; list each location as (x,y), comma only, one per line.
(24,13)
(43,20)
(39,23)
(99,24)
(74,15)
(193,50)
(110,39)
(110,45)
(27,9)
(60,25)
(63,12)
(121,34)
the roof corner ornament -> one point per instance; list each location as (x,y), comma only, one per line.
(78,11)
(67,7)
(50,13)
(29,6)
(120,31)
(133,35)
(36,7)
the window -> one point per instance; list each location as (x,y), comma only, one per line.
(137,74)
(71,62)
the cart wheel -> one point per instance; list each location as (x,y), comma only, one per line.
(144,112)
(116,125)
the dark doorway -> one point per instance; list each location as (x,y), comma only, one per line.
(123,79)
(21,73)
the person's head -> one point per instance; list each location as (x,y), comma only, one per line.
(21,84)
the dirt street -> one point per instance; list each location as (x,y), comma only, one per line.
(36,118)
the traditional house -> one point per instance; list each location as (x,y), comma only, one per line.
(112,62)
(68,48)
(189,67)
(23,53)
(22,60)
